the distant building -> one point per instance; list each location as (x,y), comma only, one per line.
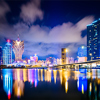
(59,61)
(82,54)
(36,58)
(93,40)
(18,48)
(50,61)
(63,55)
(82,51)
(0,55)
(7,53)
(33,60)
(71,60)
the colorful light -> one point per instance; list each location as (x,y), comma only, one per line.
(18,48)
(8,41)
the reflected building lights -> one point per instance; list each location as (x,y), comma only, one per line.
(60,75)
(47,74)
(82,89)
(18,83)
(82,84)
(7,82)
(55,75)
(66,86)
(24,75)
(45,77)
(93,73)
(41,74)
(38,75)
(20,76)
(90,87)
(18,88)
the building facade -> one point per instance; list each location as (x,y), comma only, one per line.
(7,53)
(18,48)
(63,55)
(82,54)
(93,40)
(82,51)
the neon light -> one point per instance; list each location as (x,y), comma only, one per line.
(8,41)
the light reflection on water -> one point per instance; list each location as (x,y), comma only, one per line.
(88,80)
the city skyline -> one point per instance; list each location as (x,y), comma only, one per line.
(39,27)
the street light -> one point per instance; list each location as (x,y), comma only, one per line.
(66,50)
(82,47)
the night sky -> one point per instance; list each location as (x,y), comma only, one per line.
(46,26)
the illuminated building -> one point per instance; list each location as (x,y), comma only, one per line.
(93,40)
(82,51)
(70,60)
(82,54)
(55,61)
(36,58)
(59,61)
(63,55)
(0,55)
(7,53)
(50,60)
(33,60)
(18,48)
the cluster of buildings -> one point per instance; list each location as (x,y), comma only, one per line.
(6,52)
(85,53)
(92,51)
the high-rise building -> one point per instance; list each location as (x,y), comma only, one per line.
(0,55)
(18,48)
(64,52)
(93,40)
(7,53)
(82,54)
(82,51)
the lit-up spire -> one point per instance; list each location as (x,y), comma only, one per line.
(18,38)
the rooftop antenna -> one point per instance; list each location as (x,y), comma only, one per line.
(18,37)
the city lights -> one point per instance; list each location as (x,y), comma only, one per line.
(49,50)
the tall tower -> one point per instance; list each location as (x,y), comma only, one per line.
(18,48)
(93,40)
(7,53)
(63,55)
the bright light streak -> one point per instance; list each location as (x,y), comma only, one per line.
(60,74)
(66,86)
(82,89)
(55,73)
(41,74)
(90,87)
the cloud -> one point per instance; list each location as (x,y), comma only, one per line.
(4,8)
(65,33)
(41,39)
(45,41)
(31,11)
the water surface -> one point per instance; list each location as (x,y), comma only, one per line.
(50,84)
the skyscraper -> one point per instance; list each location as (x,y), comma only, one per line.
(63,55)
(82,51)
(82,54)
(93,40)
(18,48)
(7,53)
(0,55)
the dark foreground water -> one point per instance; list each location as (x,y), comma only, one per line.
(49,84)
